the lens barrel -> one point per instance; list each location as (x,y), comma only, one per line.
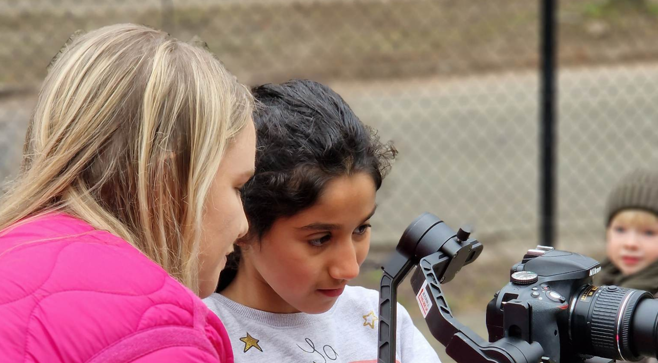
(607,322)
(644,333)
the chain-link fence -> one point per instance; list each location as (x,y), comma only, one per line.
(453,82)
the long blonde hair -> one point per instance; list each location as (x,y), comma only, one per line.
(129,130)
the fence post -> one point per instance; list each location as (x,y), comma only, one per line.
(547,131)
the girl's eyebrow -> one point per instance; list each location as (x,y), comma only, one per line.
(371,213)
(329,226)
(320,226)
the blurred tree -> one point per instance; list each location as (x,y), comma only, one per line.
(606,8)
(641,5)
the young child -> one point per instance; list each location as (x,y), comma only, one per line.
(632,233)
(126,205)
(285,296)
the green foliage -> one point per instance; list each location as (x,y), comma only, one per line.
(611,9)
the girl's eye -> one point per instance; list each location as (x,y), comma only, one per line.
(620,229)
(362,229)
(319,242)
(649,233)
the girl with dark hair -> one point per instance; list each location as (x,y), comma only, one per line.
(284,296)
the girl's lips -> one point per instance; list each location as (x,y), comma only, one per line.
(630,261)
(332,292)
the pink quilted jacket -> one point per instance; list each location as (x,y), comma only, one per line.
(70,293)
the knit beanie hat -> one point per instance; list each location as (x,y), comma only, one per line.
(637,190)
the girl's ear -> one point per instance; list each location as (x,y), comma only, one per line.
(248,243)
(244,243)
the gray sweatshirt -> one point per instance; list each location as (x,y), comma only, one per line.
(347,333)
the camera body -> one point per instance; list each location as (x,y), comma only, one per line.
(536,306)
(550,299)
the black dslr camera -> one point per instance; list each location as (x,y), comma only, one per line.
(549,312)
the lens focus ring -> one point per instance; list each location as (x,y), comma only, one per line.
(604,320)
(610,322)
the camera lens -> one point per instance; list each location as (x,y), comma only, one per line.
(644,333)
(607,322)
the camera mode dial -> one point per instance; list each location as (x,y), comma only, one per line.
(524,278)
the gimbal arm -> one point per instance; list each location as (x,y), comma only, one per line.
(462,344)
(440,253)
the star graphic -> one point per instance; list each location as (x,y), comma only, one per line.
(250,342)
(370,319)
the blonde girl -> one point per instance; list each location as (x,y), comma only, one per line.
(126,205)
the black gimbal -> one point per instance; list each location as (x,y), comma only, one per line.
(548,313)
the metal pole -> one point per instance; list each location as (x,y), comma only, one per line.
(548,127)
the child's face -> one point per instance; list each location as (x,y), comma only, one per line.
(224,220)
(303,262)
(633,240)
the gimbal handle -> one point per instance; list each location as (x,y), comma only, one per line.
(425,236)
(394,272)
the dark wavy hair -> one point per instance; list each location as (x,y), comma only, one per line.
(307,135)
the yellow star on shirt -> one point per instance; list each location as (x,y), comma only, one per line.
(370,319)
(250,342)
